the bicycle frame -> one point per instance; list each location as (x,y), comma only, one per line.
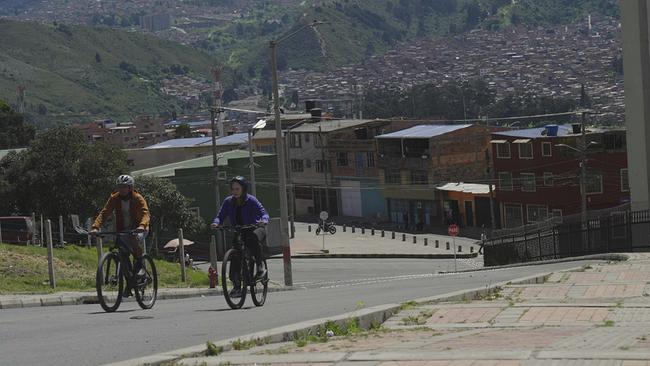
(246,258)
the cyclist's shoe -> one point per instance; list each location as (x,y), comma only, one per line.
(141,273)
(235,293)
(127,292)
(261,272)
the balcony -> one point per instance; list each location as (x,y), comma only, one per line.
(351,145)
(390,162)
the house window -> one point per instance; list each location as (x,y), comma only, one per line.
(527,182)
(625,181)
(296,165)
(536,213)
(307,163)
(547,149)
(594,183)
(342,159)
(526,150)
(322,166)
(503,150)
(513,215)
(296,140)
(370,159)
(419,177)
(393,176)
(548,179)
(505,181)
(222,176)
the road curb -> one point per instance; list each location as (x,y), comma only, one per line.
(366,318)
(618,257)
(29,301)
(383,256)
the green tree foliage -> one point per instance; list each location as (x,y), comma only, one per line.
(13,131)
(169,208)
(183,131)
(59,175)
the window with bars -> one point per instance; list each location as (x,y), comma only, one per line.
(419,177)
(625,181)
(393,176)
(370,159)
(297,165)
(503,151)
(527,181)
(322,166)
(505,181)
(342,159)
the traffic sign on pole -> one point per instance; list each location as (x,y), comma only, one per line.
(453,230)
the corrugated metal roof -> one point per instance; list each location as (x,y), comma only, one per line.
(423,131)
(264,134)
(333,125)
(235,139)
(532,133)
(169,170)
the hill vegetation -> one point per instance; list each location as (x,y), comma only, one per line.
(76,73)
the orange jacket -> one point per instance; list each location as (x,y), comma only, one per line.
(139,212)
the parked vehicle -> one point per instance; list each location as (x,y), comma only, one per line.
(327,227)
(17,229)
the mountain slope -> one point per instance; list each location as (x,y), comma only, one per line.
(70,72)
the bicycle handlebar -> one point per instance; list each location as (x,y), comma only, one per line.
(83,231)
(239,227)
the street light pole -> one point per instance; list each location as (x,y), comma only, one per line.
(251,162)
(583,170)
(215,158)
(282,175)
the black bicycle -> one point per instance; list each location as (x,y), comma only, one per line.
(247,271)
(115,267)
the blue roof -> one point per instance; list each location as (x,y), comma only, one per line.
(236,139)
(423,132)
(532,133)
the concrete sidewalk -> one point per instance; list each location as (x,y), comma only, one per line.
(598,315)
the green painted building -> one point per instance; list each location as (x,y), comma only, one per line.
(194,179)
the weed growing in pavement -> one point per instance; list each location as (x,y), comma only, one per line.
(491,295)
(212,350)
(239,345)
(349,328)
(608,323)
(642,338)
(360,305)
(278,351)
(419,319)
(624,348)
(408,305)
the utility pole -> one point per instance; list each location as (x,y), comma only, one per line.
(214,111)
(488,159)
(282,174)
(292,201)
(583,170)
(324,166)
(251,162)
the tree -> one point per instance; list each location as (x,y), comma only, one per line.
(169,209)
(59,174)
(13,131)
(183,131)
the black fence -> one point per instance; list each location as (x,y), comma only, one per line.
(606,234)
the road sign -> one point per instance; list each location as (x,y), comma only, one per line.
(324,215)
(453,230)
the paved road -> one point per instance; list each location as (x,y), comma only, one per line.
(83,335)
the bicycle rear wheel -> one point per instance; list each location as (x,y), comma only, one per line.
(147,287)
(109,282)
(232,256)
(260,286)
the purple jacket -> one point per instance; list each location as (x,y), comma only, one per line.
(252,212)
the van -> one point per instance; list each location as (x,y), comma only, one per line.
(17,229)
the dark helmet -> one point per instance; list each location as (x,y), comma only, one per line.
(241,181)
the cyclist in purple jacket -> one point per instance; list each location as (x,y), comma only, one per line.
(244,209)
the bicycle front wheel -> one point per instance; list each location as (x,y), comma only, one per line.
(232,275)
(109,282)
(147,287)
(260,286)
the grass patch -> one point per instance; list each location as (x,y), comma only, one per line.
(213,350)
(23,270)
(608,323)
(491,295)
(419,319)
(239,345)
(349,328)
(408,305)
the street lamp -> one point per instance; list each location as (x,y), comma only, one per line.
(282,177)
(251,160)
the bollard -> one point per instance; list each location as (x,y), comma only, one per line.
(213,252)
(61,231)
(40,243)
(309,228)
(344,228)
(353,229)
(181,254)
(50,255)
(448,246)
(437,244)
(403,237)
(372,231)
(460,248)
(393,235)
(426,242)
(415,239)
(35,235)
(89,242)
(471,249)
(383,234)
(363,230)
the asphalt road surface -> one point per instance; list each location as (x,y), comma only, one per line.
(85,335)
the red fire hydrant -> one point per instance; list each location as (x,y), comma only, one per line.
(212,275)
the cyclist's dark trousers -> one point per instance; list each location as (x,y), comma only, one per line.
(252,241)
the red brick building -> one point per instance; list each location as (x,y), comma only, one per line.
(538,179)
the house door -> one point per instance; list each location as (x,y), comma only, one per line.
(351,198)
(469,213)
